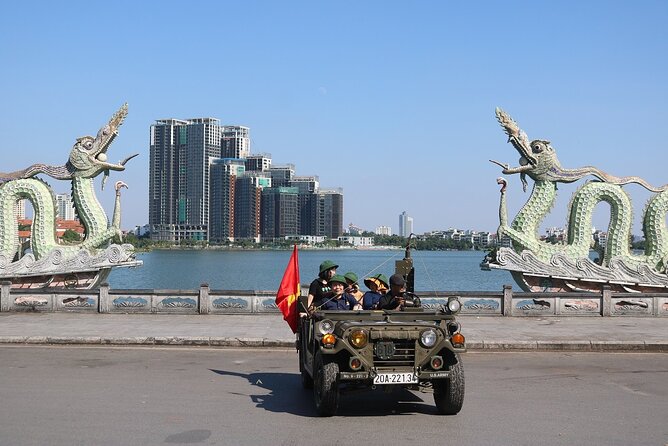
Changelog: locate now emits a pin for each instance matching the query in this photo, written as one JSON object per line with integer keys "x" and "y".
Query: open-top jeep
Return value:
{"x": 411, "y": 347}
{"x": 415, "y": 348}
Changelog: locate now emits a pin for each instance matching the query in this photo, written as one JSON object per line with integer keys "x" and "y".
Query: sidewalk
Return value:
{"x": 482, "y": 333}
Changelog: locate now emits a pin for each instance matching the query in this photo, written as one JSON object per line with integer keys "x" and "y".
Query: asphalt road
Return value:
{"x": 155, "y": 396}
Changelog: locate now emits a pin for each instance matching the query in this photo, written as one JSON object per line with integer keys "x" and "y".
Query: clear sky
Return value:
{"x": 392, "y": 101}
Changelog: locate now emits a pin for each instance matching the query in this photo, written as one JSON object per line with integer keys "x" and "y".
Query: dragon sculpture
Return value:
{"x": 50, "y": 263}
{"x": 539, "y": 265}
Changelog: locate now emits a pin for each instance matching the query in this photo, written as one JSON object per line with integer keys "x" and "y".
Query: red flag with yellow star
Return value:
{"x": 289, "y": 291}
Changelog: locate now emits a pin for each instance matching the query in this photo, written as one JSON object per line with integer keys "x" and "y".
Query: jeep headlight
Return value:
{"x": 326, "y": 326}
{"x": 454, "y": 305}
{"x": 428, "y": 338}
{"x": 358, "y": 338}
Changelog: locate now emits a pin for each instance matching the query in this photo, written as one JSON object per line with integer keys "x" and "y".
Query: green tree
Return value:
{"x": 70, "y": 237}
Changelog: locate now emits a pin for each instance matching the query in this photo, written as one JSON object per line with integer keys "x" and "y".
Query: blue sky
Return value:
{"x": 392, "y": 101}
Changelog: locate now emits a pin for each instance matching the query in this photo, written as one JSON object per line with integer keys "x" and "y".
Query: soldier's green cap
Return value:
{"x": 351, "y": 276}
{"x": 380, "y": 277}
{"x": 338, "y": 278}
{"x": 327, "y": 264}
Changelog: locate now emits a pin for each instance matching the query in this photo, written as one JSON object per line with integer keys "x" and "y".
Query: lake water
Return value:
{"x": 263, "y": 270}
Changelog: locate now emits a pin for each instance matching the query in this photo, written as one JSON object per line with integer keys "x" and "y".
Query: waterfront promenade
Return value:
{"x": 487, "y": 333}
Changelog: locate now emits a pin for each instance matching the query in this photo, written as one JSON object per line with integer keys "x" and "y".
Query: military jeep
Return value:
{"x": 415, "y": 348}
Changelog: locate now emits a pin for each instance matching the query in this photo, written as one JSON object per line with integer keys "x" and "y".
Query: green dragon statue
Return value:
{"x": 49, "y": 258}
{"x": 532, "y": 257}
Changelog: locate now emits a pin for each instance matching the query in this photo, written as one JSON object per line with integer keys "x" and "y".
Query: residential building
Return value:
{"x": 20, "y": 210}
{"x": 61, "y": 226}
{"x": 555, "y": 234}
{"x": 281, "y": 176}
{"x": 248, "y": 205}
{"x": 405, "y": 224}
{"x": 354, "y": 229}
{"x": 64, "y": 207}
{"x": 235, "y": 142}
{"x": 356, "y": 241}
{"x": 224, "y": 175}
{"x": 601, "y": 237}
{"x": 307, "y": 187}
{"x": 329, "y": 218}
{"x": 141, "y": 231}
{"x": 307, "y": 239}
{"x": 260, "y": 162}
{"x": 279, "y": 212}
{"x": 383, "y": 230}
{"x": 181, "y": 152}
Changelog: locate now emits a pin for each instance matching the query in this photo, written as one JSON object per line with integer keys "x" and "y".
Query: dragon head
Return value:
{"x": 537, "y": 157}
{"x": 88, "y": 157}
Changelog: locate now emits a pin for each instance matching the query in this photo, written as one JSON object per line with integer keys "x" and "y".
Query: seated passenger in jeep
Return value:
{"x": 395, "y": 299}
{"x": 340, "y": 300}
{"x": 353, "y": 288}
{"x": 377, "y": 288}
{"x": 320, "y": 289}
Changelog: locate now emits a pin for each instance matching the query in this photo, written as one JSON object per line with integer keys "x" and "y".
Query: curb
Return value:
{"x": 486, "y": 346}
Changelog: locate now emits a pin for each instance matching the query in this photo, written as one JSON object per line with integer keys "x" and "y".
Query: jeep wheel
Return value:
{"x": 325, "y": 386}
{"x": 449, "y": 393}
{"x": 307, "y": 381}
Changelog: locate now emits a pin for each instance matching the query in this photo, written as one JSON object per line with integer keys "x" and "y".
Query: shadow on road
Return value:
{"x": 286, "y": 395}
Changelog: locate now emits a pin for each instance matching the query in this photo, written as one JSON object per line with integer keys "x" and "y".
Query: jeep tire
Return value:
{"x": 307, "y": 380}
{"x": 325, "y": 386}
{"x": 449, "y": 393}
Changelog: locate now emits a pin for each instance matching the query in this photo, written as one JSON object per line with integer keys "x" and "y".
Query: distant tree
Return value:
{"x": 638, "y": 244}
{"x": 70, "y": 236}
{"x": 389, "y": 240}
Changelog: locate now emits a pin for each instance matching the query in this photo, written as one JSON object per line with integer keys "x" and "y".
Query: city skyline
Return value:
{"x": 395, "y": 105}
{"x": 204, "y": 185}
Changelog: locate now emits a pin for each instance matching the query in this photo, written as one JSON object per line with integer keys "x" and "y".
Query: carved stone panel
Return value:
{"x": 230, "y": 304}
{"x": 175, "y": 304}
{"x": 662, "y": 306}
{"x": 478, "y": 305}
{"x": 432, "y": 303}
{"x": 533, "y": 306}
{"x": 580, "y": 307}
{"x": 32, "y": 302}
{"x": 130, "y": 304}
{"x": 77, "y": 303}
{"x": 631, "y": 306}
{"x": 266, "y": 305}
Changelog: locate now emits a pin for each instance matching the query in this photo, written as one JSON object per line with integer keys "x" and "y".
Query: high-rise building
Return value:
{"x": 64, "y": 207}
{"x": 20, "y": 210}
{"x": 224, "y": 174}
{"x": 281, "y": 176}
{"x": 280, "y": 216}
{"x": 260, "y": 162}
{"x": 248, "y": 205}
{"x": 181, "y": 152}
{"x": 330, "y": 213}
{"x": 308, "y": 187}
{"x": 405, "y": 224}
{"x": 235, "y": 142}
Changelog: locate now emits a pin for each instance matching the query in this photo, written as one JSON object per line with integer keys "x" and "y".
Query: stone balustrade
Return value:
{"x": 207, "y": 301}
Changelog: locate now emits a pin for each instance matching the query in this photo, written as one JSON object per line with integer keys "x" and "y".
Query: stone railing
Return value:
{"x": 207, "y": 301}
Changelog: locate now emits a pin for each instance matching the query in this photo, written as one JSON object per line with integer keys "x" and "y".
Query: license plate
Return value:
{"x": 395, "y": 378}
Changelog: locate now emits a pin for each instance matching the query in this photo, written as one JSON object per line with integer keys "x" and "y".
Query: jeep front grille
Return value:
{"x": 404, "y": 355}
